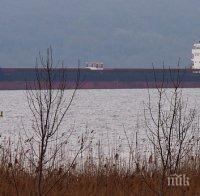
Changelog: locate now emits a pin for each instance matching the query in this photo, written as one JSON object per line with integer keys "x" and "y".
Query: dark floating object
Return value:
{"x": 95, "y": 76}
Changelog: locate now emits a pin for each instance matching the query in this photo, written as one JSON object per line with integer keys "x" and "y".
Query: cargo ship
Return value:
{"x": 95, "y": 76}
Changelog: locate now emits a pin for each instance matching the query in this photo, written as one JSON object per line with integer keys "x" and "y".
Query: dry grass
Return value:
{"x": 93, "y": 180}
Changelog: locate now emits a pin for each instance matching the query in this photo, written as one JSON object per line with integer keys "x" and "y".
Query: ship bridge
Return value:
{"x": 94, "y": 65}
{"x": 196, "y": 56}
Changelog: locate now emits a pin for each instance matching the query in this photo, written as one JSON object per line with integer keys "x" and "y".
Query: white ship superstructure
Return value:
{"x": 196, "y": 56}
{"x": 94, "y": 65}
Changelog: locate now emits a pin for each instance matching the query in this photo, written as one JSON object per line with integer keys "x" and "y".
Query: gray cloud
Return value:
{"x": 128, "y": 33}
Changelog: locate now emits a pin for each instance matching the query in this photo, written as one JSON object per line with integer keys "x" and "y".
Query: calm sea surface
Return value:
{"x": 105, "y": 113}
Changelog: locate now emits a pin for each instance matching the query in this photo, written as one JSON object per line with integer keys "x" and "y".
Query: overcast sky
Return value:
{"x": 121, "y": 33}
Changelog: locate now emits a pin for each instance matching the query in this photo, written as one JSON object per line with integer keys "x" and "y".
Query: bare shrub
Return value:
{"x": 170, "y": 127}
{"x": 48, "y": 102}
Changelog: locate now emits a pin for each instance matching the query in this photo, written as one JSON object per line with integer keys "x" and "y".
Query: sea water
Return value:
{"x": 111, "y": 117}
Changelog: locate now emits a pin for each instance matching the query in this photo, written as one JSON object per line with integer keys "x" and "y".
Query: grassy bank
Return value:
{"x": 105, "y": 177}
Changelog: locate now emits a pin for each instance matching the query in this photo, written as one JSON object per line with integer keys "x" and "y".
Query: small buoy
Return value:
{"x": 1, "y": 114}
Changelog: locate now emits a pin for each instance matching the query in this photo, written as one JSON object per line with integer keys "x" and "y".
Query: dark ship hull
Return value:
{"x": 18, "y": 78}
